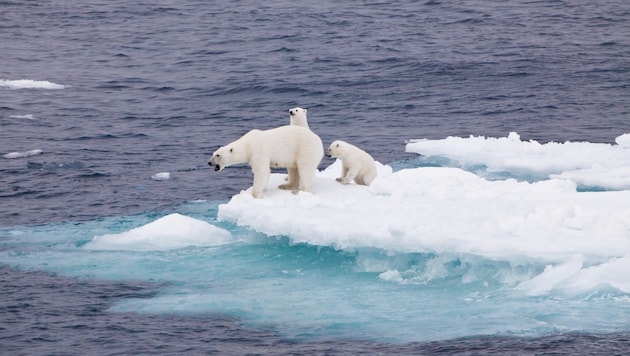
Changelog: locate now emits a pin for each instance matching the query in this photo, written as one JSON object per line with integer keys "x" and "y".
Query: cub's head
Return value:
{"x": 334, "y": 150}
{"x": 222, "y": 158}
{"x": 297, "y": 112}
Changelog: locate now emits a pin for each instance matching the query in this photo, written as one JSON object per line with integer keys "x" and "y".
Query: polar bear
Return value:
{"x": 357, "y": 164}
{"x": 297, "y": 116}
{"x": 292, "y": 147}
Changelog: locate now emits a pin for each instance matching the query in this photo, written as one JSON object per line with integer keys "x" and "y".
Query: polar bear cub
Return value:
{"x": 297, "y": 116}
{"x": 357, "y": 164}
{"x": 292, "y": 147}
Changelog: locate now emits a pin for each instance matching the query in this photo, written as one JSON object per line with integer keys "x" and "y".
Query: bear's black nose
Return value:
{"x": 210, "y": 163}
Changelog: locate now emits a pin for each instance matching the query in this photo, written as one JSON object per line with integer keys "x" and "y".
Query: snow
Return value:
{"x": 443, "y": 210}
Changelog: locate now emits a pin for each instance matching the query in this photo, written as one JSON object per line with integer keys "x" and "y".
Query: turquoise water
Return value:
{"x": 311, "y": 292}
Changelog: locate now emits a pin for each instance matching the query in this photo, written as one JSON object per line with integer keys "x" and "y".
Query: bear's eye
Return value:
{"x": 231, "y": 150}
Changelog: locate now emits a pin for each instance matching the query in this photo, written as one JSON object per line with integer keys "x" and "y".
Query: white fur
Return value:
{"x": 357, "y": 164}
{"x": 297, "y": 116}
{"x": 292, "y": 147}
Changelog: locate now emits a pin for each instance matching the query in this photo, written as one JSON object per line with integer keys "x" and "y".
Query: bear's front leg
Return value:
{"x": 344, "y": 171}
{"x": 261, "y": 178}
{"x": 349, "y": 176}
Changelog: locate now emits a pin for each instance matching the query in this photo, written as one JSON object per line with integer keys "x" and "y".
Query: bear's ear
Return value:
{"x": 305, "y": 111}
{"x": 337, "y": 145}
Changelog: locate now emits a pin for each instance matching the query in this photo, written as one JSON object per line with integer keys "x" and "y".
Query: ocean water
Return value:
{"x": 499, "y": 222}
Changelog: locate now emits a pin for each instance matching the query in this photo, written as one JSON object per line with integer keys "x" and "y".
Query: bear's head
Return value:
{"x": 222, "y": 158}
{"x": 297, "y": 116}
{"x": 334, "y": 150}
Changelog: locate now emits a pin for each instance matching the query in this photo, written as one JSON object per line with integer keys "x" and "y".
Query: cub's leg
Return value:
{"x": 344, "y": 171}
{"x": 348, "y": 177}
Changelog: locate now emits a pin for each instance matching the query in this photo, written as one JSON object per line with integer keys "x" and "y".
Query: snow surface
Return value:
{"x": 170, "y": 232}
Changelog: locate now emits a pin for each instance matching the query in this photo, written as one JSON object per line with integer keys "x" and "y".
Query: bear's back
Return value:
{"x": 294, "y": 134}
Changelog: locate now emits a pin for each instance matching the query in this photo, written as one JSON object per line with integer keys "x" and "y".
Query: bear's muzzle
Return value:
{"x": 216, "y": 166}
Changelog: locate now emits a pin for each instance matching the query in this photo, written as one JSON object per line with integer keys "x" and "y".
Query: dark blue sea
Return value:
{"x": 110, "y": 110}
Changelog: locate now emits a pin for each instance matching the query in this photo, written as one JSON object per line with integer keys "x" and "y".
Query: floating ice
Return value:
{"x": 424, "y": 253}
{"x": 444, "y": 210}
{"x": 13, "y": 155}
{"x": 623, "y": 140}
{"x": 590, "y": 164}
{"x": 27, "y": 117}
{"x": 30, "y": 84}
{"x": 170, "y": 232}
{"x": 161, "y": 176}
{"x": 450, "y": 211}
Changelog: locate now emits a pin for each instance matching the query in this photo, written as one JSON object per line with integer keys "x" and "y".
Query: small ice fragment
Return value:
{"x": 161, "y": 176}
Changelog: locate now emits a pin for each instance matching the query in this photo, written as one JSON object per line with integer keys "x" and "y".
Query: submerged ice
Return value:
{"x": 425, "y": 252}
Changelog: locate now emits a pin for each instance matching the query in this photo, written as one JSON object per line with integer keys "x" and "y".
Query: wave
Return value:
{"x": 30, "y": 84}
{"x": 55, "y": 165}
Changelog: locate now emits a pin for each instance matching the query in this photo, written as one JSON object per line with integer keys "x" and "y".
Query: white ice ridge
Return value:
{"x": 590, "y": 164}
{"x": 13, "y": 155}
{"x": 170, "y": 232}
{"x": 444, "y": 210}
{"x": 30, "y": 84}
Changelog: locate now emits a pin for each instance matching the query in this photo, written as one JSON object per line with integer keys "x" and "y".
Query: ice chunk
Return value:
{"x": 170, "y": 232}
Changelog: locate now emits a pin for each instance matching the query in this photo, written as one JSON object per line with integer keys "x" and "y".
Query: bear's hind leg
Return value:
{"x": 293, "y": 180}
{"x": 306, "y": 177}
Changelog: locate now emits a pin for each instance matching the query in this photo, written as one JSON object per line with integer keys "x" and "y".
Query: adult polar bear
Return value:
{"x": 295, "y": 148}
{"x": 357, "y": 164}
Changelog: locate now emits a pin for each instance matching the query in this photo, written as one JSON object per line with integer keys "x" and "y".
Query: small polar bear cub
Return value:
{"x": 357, "y": 164}
{"x": 297, "y": 116}
{"x": 292, "y": 147}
